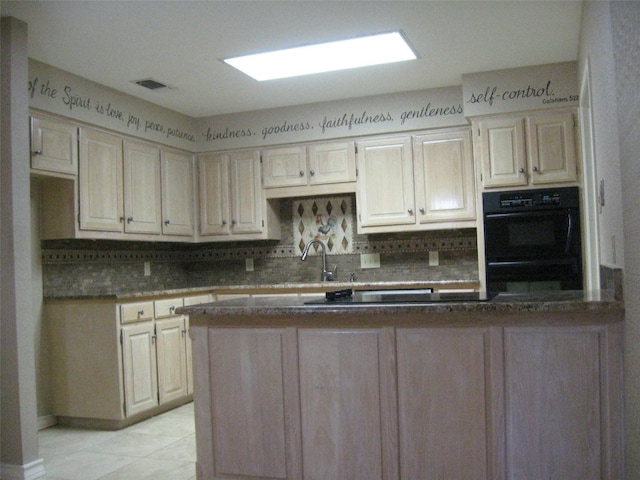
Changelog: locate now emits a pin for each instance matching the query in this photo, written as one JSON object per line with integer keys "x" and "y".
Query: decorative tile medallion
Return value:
{"x": 329, "y": 220}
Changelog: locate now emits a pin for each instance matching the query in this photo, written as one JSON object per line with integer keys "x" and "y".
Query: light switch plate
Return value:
{"x": 248, "y": 263}
{"x": 369, "y": 260}
{"x": 434, "y": 258}
{"x": 147, "y": 269}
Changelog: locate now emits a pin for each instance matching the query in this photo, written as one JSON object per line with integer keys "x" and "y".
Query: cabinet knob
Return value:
{"x": 122, "y": 219}
{"x": 140, "y": 313}
{"x": 233, "y": 222}
{"x": 224, "y": 222}
{"x": 410, "y": 211}
{"x": 129, "y": 219}
{"x": 521, "y": 170}
{"x": 172, "y": 309}
{"x": 535, "y": 169}
{"x": 312, "y": 172}
{"x": 167, "y": 222}
{"x": 301, "y": 173}
{"x": 422, "y": 210}
{"x": 38, "y": 152}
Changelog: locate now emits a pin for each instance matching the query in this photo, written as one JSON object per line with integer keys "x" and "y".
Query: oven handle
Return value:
{"x": 531, "y": 213}
{"x": 570, "y": 232}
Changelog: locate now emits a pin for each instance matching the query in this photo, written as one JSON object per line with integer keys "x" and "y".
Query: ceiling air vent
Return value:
{"x": 150, "y": 84}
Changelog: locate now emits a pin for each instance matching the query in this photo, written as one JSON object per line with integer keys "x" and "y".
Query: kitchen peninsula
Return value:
{"x": 520, "y": 386}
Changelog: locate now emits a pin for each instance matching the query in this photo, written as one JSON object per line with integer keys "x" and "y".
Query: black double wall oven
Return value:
{"x": 533, "y": 240}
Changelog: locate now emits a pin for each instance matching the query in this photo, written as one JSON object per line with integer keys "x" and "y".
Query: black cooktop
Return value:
{"x": 343, "y": 297}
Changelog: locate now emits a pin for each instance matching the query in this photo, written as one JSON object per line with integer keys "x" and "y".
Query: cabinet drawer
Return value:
{"x": 167, "y": 307}
{"x": 196, "y": 300}
{"x": 136, "y": 312}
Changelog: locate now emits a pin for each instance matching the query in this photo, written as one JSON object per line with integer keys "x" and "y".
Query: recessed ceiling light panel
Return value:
{"x": 325, "y": 57}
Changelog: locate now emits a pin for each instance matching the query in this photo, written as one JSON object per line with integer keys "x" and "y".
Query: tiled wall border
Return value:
{"x": 50, "y": 257}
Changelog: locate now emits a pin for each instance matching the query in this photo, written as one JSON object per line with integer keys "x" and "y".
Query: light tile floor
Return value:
{"x": 160, "y": 448}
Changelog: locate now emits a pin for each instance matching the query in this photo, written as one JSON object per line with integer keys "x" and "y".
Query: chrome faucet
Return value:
{"x": 327, "y": 275}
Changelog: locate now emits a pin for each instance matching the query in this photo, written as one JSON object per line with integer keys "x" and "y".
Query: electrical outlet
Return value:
{"x": 434, "y": 258}
{"x": 147, "y": 269}
{"x": 248, "y": 264}
{"x": 369, "y": 260}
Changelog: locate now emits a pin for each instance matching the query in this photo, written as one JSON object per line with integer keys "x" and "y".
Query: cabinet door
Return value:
{"x": 142, "y": 207}
{"x": 140, "y": 367}
{"x": 551, "y": 148}
{"x": 284, "y": 167}
{"x": 385, "y": 182}
{"x": 100, "y": 182}
{"x": 347, "y": 404}
{"x": 332, "y": 163}
{"x": 213, "y": 172}
{"x": 443, "y": 166}
{"x": 172, "y": 358}
{"x": 248, "y": 403}
{"x": 442, "y": 400}
{"x": 246, "y": 192}
{"x": 553, "y": 423}
{"x": 54, "y": 146}
{"x": 502, "y": 152}
{"x": 177, "y": 193}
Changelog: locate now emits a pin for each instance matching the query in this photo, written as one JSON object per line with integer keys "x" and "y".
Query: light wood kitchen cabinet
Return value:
{"x": 526, "y": 150}
{"x": 444, "y": 179}
{"x": 251, "y": 435}
{"x": 419, "y": 183}
{"x": 320, "y": 168}
{"x": 444, "y": 402}
{"x": 177, "y": 193}
{"x": 116, "y": 363}
{"x": 54, "y": 146}
{"x": 385, "y": 182}
{"x": 557, "y": 400}
{"x": 140, "y": 369}
{"x": 142, "y": 198}
{"x": 347, "y": 404}
{"x": 100, "y": 182}
{"x": 232, "y": 206}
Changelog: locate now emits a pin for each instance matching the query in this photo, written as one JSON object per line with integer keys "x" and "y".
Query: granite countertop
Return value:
{"x": 551, "y": 301}
{"x": 274, "y": 289}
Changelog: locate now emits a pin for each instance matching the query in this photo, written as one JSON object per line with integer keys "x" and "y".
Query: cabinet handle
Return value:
{"x": 172, "y": 309}
{"x": 129, "y": 219}
{"x": 167, "y": 222}
{"x": 184, "y": 331}
{"x": 312, "y": 172}
{"x": 38, "y": 152}
{"x": 301, "y": 173}
{"x": 122, "y": 219}
{"x": 422, "y": 210}
{"x": 140, "y": 313}
{"x": 410, "y": 211}
{"x": 154, "y": 337}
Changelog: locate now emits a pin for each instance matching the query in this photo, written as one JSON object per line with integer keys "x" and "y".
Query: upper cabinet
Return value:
{"x": 316, "y": 169}
{"x": 125, "y": 189}
{"x": 416, "y": 183}
{"x": 522, "y": 150}
{"x": 54, "y": 146}
{"x": 232, "y": 206}
{"x": 176, "y": 171}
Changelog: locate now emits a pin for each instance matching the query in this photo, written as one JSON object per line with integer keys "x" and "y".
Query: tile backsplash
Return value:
{"x": 82, "y": 267}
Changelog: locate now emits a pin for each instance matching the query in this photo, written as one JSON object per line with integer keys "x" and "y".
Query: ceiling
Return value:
{"x": 180, "y": 43}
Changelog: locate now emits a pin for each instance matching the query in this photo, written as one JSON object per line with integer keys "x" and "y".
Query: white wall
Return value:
{"x": 610, "y": 41}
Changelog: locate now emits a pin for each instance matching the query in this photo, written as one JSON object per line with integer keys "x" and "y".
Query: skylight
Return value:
{"x": 325, "y": 57}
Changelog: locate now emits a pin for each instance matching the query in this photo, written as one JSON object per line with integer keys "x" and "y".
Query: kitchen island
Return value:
{"x": 518, "y": 387}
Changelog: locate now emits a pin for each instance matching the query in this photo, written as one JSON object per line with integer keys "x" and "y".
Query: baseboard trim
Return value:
{"x": 47, "y": 421}
{"x": 30, "y": 471}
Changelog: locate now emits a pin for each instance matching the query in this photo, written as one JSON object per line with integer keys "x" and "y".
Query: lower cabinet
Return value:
{"x": 410, "y": 403}
{"x": 116, "y": 363}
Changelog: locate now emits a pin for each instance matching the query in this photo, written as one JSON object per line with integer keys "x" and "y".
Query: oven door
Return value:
{"x": 538, "y": 246}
